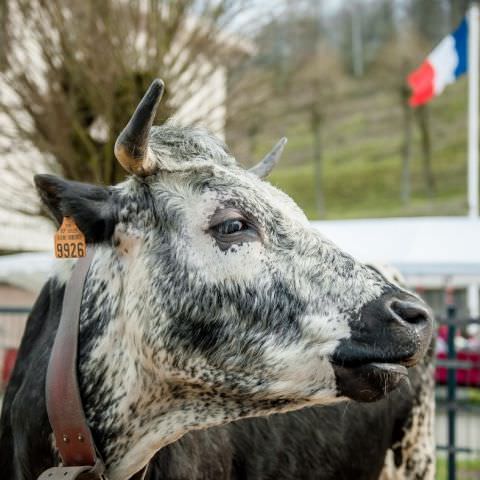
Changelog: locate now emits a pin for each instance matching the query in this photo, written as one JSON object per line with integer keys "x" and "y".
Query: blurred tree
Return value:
{"x": 430, "y": 18}
{"x": 423, "y": 120}
{"x": 315, "y": 85}
{"x": 396, "y": 60}
{"x": 74, "y": 72}
{"x": 361, "y": 29}
{"x": 457, "y": 9}
{"x": 406, "y": 190}
{"x": 284, "y": 45}
{"x": 290, "y": 37}
{"x": 300, "y": 73}
{"x": 3, "y": 23}
{"x": 251, "y": 105}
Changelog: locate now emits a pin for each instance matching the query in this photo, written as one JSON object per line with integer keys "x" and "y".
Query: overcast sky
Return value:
{"x": 249, "y": 21}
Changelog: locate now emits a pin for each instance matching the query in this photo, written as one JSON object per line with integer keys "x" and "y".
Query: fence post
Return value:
{"x": 451, "y": 384}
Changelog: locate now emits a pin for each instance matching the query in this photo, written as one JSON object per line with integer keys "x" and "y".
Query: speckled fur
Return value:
{"x": 413, "y": 455}
{"x": 178, "y": 334}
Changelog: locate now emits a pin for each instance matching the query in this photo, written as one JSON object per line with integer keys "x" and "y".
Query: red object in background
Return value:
{"x": 421, "y": 84}
{"x": 8, "y": 363}
{"x": 467, "y": 377}
{"x": 442, "y": 333}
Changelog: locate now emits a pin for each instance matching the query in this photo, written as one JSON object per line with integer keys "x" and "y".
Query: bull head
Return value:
{"x": 211, "y": 298}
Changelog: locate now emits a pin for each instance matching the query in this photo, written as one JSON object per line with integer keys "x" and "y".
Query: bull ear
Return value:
{"x": 91, "y": 206}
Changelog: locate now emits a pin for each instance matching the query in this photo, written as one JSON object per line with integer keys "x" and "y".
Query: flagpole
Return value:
{"x": 473, "y": 39}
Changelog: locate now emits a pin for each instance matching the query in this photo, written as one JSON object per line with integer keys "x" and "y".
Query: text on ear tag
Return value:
{"x": 69, "y": 240}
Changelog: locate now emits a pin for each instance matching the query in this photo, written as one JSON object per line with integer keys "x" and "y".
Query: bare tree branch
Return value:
{"x": 75, "y": 71}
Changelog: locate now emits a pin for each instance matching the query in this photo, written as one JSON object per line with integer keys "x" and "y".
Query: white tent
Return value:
{"x": 422, "y": 245}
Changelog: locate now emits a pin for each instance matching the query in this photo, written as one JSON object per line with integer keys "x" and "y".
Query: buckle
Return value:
{"x": 84, "y": 472}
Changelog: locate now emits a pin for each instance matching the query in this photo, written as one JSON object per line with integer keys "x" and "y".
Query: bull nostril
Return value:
{"x": 410, "y": 312}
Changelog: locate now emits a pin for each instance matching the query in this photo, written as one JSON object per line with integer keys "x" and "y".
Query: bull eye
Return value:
{"x": 229, "y": 227}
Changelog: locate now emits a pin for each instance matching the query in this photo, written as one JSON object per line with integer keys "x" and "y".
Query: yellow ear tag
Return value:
{"x": 69, "y": 240}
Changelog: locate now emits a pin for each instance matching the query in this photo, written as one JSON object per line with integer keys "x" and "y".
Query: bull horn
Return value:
{"x": 263, "y": 169}
{"x": 131, "y": 147}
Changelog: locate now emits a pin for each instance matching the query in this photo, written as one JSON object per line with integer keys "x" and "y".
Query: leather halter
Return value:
{"x": 73, "y": 437}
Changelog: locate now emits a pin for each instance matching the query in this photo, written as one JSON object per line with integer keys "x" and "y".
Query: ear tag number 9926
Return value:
{"x": 69, "y": 240}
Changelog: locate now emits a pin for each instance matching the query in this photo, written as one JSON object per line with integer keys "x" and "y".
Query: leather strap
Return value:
{"x": 73, "y": 437}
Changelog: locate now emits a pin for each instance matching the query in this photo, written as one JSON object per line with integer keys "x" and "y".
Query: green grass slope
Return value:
{"x": 362, "y": 158}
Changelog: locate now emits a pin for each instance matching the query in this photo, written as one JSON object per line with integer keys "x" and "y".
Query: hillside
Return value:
{"x": 362, "y": 144}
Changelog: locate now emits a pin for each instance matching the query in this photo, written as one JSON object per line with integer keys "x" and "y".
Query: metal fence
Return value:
{"x": 457, "y": 392}
{"x": 458, "y": 396}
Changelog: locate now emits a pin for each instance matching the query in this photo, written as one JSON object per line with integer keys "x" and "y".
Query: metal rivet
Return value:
{"x": 80, "y": 437}
{"x": 65, "y": 439}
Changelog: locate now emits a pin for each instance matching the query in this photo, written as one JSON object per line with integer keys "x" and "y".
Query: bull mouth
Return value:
{"x": 369, "y": 382}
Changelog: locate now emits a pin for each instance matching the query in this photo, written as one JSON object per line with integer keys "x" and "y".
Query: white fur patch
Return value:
{"x": 239, "y": 262}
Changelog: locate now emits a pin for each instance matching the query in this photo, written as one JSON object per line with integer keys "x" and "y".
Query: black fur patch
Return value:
{"x": 92, "y": 207}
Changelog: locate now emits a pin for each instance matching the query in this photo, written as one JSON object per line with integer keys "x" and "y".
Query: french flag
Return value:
{"x": 443, "y": 66}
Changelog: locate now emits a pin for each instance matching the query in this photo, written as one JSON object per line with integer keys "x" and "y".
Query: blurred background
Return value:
{"x": 387, "y": 182}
